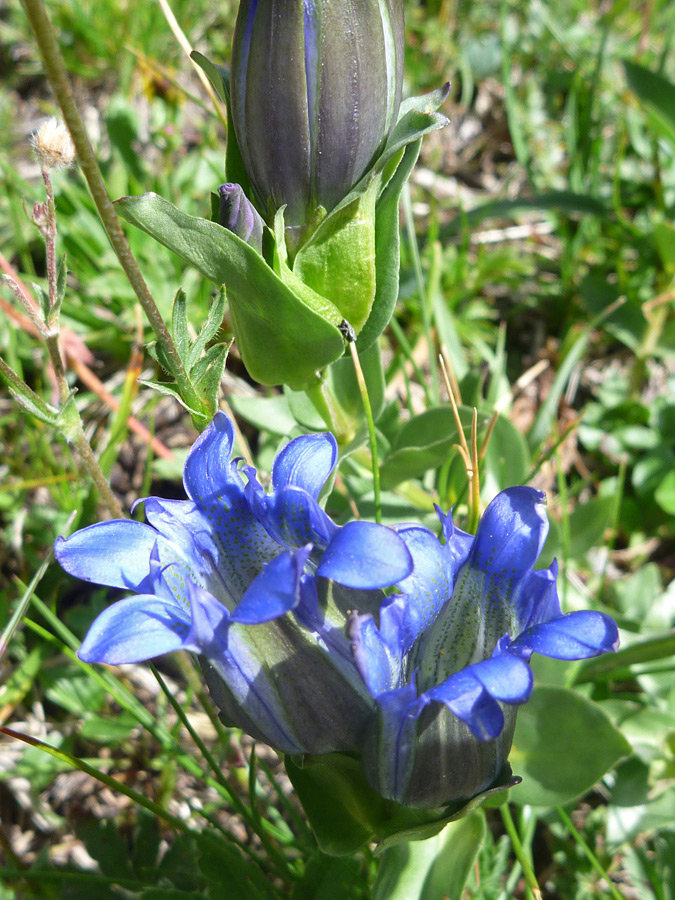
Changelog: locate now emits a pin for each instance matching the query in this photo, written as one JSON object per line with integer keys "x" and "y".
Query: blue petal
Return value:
{"x": 577, "y": 635}
{"x": 429, "y": 585}
{"x": 390, "y": 751}
{"x": 208, "y": 468}
{"x": 305, "y": 462}
{"x": 537, "y": 598}
{"x": 135, "y": 629}
{"x": 458, "y": 542}
{"x": 511, "y": 532}
{"x": 376, "y": 664}
{"x": 115, "y": 553}
{"x": 294, "y": 518}
{"x": 231, "y": 539}
{"x": 364, "y": 555}
{"x": 275, "y": 591}
{"x": 472, "y": 694}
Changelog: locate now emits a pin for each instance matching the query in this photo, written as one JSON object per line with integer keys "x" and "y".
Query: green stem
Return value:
{"x": 590, "y": 856}
{"x": 59, "y": 81}
{"x": 367, "y": 408}
{"x": 519, "y": 850}
{"x": 86, "y": 455}
{"x": 325, "y": 403}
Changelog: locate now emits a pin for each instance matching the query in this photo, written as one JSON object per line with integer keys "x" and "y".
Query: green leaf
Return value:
{"x": 30, "y": 401}
{"x": 613, "y": 665}
{"x": 387, "y": 249}
{"x": 20, "y": 681}
{"x": 664, "y": 238}
{"x": 327, "y": 878}
{"x": 169, "y": 390}
{"x": 587, "y": 523}
{"x": 625, "y": 823}
{"x": 432, "y": 869}
{"x": 342, "y": 379}
{"x": 227, "y": 873}
{"x": 271, "y": 414}
{"x": 79, "y": 694}
{"x": 106, "y": 729}
{"x": 665, "y": 494}
{"x": 345, "y": 812}
{"x": 423, "y": 443}
{"x": 43, "y": 299}
{"x": 563, "y": 744}
{"x": 657, "y": 94}
{"x": 104, "y": 844}
{"x": 342, "y": 808}
{"x": 179, "y": 325}
{"x": 338, "y": 261}
{"x": 283, "y": 338}
{"x": 61, "y": 278}
{"x": 566, "y": 202}
{"x": 507, "y": 459}
{"x": 210, "y": 328}
{"x": 208, "y": 374}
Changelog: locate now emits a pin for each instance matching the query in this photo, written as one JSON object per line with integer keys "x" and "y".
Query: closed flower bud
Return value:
{"x": 237, "y": 214}
{"x": 316, "y": 87}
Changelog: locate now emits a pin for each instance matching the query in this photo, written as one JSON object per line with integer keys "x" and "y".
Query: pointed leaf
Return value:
{"x": 387, "y": 249}
{"x": 656, "y": 93}
{"x": 61, "y": 277}
{"x": 210, "y": 328}
{"x": 179, "y": 324}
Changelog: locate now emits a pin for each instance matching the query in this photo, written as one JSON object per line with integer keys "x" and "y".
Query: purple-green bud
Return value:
{"x": 239, "y": 215}
{"x": 315, "y": 91}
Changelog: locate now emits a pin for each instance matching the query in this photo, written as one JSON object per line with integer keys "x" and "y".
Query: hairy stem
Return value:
{"x": 58, "y": 79}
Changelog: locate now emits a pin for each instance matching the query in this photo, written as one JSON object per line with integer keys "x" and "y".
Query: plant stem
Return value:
{"x": 519, "y": 850}
{"x": 590, "y": 856}
{"x": 325, "y": 403}
{"x": 86, "y": 454}
{"x": 368, "y": 410}
{"x": 59, "y": 81}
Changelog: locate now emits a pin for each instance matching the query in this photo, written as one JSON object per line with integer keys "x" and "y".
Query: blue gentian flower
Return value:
{"x": 447, "y": 660}
{"x": 241, "y": 577}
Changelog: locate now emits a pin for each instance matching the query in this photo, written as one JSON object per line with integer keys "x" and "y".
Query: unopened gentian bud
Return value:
{"x": 316, "y": 88}
{"x": 237, "y": 214}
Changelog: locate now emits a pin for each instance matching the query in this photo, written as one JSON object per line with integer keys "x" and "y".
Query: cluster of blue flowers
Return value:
{"x": 409, "y": 651}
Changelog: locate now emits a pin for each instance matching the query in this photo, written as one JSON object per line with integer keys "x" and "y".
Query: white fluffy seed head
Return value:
{"x": 53, "y": 145}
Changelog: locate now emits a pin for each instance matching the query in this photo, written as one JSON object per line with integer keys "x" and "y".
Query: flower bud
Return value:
{"x": 316, "y": 87}
{"x": 237, "y": 214}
